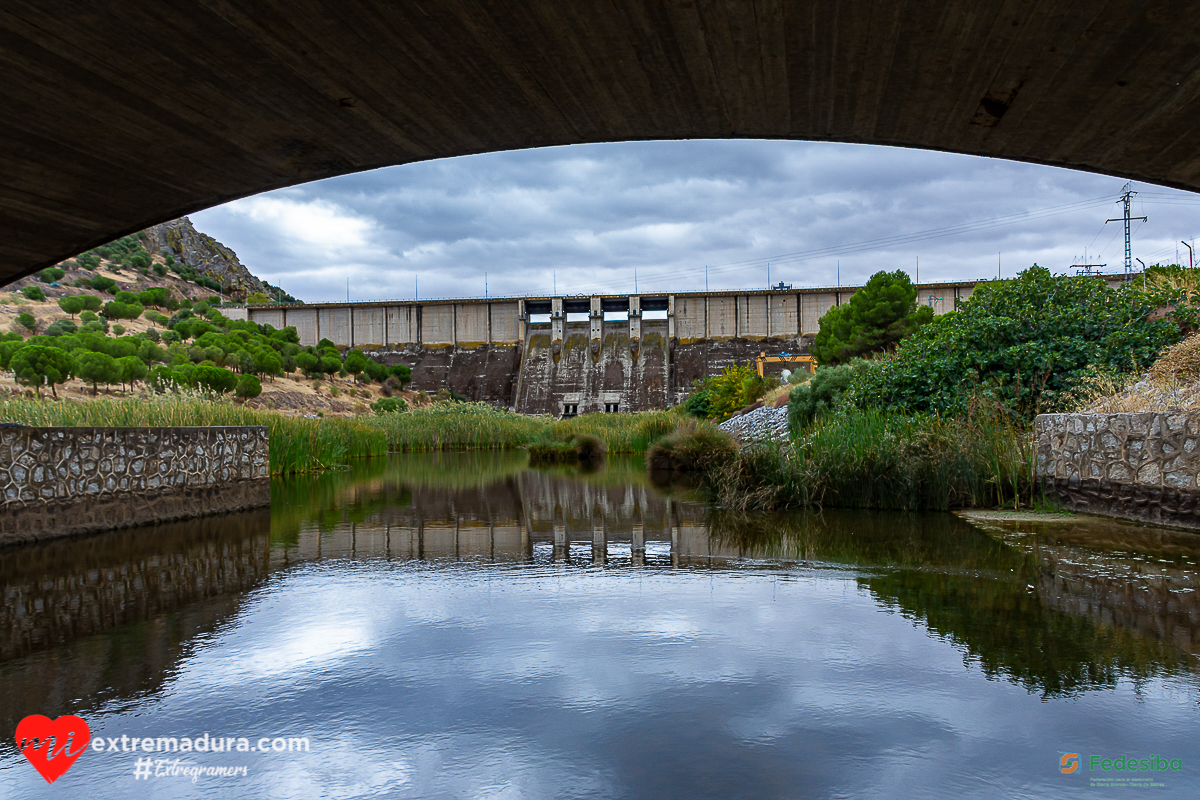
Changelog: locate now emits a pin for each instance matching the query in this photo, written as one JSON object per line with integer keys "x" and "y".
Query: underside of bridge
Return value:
{"x": 117, "y": 116}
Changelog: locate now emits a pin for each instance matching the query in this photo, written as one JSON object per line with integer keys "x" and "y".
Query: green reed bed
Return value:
{"x": 885, "y": 460}
{"x": 620, "y": 433}
{"x": 297, "y": 444}
{"x": 457, "y": 426}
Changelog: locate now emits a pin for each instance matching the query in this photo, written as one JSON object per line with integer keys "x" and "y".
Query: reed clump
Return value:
{"x": 884, "y": 460}
{"x": 457, "y": 426}
{"x": 694, "y": 446}
{"x": 581, "y": 447}
{"x": 297, "y": 444}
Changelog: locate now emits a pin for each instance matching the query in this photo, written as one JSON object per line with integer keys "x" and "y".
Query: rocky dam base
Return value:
{"x": 68, "y": 481}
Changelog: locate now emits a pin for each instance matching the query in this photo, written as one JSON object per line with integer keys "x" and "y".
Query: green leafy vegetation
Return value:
{"x": 720, "y": 396}
{"x": 886, "y": 460}
{"x": 1024, "y": 344}
{"x": 875, "y": 319}
{"x": 34, "y": 293}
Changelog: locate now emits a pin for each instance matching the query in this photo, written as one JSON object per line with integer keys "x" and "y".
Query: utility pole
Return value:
{"x": 1086, "y": 269}
{"x": 768, "y": 274}
{"x": 839, "y": 273}
{"x": 997, "y": 266}
{"x": 1143, "y": 263}
{"x": 1191, "y": 254}
{"x": 918, "y": 270}
{"x": 706, "y": 277}
{"x": 485, "y": 286}
{"x": 1126, "y": 195}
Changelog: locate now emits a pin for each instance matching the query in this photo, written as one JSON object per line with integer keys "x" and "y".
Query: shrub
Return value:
{"x": 87, "y": 316}
{"x": 103, "y": 284}
{"x": 34, "y": 293}
{"x": 695, "y": 445}
{"x": 389, "y": 405}
{"x": 1025, "y": 344}
{"x": 91, "y": 302}
{"x": 60, "y": 327}
{"x": 248, "y": 387}
{"x": 119, "y": 310}
{"x": 27, "y": 320}
{"x": 735, "y": 388}
{"x": 118, "y": 330}
{"x": 697, "y": 405}
{"x": 51, "y": 274}
{"x": 821, "y": 393}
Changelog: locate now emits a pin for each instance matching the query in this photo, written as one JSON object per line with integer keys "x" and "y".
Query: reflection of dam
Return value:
{"x": 517, "y": 519}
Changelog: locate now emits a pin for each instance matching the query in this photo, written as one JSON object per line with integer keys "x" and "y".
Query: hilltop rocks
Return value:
{"x": 202, "y": 253}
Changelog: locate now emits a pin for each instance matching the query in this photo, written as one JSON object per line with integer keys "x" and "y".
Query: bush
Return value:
{"x": 118, "y": 330}
{"x": 694, "y": 446}
{"x": 51, "y": 274}
{"x": 87, "y": 316}
{"x": 821, "y": 393}
{"x": 60, "y": 327}
{"x": 735, "y": 388}
{"x": 389, "y": 405}
{"x": 697, "y": 405}
{"x": 34, "y": 293}
{"x": 1024, "y": 344}
{"x": 159, "y": 270}
{"x": 120, "y": 310}
{"x": 27, "y": 320}
{"x": 103, "y": 284}
{"x": 248, "y": 387}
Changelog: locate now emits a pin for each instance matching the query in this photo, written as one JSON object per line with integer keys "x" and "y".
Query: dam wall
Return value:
{"x": 578, "y": 354}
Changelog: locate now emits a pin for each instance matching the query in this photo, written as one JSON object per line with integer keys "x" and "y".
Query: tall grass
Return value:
{"x": 297, "y": 444}
{"x": 621, "y": 433}
{"x": 457, "y": 426}
{"x": 885, "y": 460}
{"x": 477, "y": 426}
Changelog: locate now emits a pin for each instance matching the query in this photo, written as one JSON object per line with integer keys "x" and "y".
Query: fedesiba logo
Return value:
{"x": 1069, "y": 763}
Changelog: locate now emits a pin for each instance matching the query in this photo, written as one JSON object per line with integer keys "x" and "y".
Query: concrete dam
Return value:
{"x": 578, "y": 354}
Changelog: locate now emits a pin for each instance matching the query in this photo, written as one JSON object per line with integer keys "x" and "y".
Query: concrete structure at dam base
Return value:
{"x": 578, "y": 354}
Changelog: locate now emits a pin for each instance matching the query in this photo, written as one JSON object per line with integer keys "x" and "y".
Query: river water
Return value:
{"x": 459, "y": 625}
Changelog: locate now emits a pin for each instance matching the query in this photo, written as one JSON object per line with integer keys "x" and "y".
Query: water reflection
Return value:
{"x": 369, "y": 577}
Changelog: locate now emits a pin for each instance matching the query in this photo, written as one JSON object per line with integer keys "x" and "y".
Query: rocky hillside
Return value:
{"x": 205, "y": 255}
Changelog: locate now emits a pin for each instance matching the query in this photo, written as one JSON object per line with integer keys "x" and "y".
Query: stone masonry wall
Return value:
{"x": 64, "y": 481}
{"x": 1141, "y": 466}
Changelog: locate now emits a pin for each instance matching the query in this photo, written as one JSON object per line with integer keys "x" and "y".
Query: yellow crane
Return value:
{"x": 809, "y": 362}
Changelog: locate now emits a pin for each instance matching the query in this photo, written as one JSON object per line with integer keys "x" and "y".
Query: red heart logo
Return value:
{"x": 34, "y": 734}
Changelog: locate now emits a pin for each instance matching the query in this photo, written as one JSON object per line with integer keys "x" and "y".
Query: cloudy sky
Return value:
{"x": 595, "y": 218}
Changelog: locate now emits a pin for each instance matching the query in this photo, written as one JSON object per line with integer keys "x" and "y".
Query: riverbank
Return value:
{"x": 301, "y": 444}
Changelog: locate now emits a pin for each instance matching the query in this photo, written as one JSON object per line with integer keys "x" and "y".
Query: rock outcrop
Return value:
{"x": 204, "y": 254}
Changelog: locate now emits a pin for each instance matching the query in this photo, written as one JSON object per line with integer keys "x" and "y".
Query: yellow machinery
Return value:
{"x": 809, "y": 363}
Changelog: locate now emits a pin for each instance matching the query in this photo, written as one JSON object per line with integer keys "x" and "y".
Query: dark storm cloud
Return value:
{"x": 585, "y": 217}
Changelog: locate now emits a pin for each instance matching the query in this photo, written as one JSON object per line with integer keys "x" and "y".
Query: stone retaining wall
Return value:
{"x": 64, "y": 481}
{"x": 1141, "y": 466}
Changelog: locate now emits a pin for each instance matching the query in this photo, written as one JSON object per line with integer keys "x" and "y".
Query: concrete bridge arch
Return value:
{"x": 117, "y": 116}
